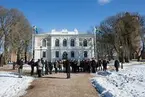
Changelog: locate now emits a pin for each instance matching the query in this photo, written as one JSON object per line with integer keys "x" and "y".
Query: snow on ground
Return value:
{"x": 12, "y": 86}
{"x": 111, "y": 63}
{"x": 129, "y": 82}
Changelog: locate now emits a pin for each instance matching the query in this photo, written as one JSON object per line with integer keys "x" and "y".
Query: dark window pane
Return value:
{"x": 57, "y": 42}
{"x": 44, "y": 54}
{"x": 85, "y": 54}
{"x": 57, "y": 54}
{"x": 72, "y": 42}
{"x": 85, "y": 42}
{"x": 64, "y": 42}
{"x": 65, "y": 55}
{"x": 72, "y": 54}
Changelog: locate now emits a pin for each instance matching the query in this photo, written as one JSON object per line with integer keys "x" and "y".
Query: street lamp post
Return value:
{"x": 95, "y": 44}
{"x": 33, "y": 44}
{"x": 33, "y": 40}
{"x": 40, "y": 52}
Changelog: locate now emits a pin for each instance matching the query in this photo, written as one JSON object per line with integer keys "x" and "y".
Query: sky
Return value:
{"x": 70, "y": 14}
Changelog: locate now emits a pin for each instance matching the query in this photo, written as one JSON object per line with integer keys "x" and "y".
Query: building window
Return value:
{"x": 57, "y": 54}
{"x": 85, "y": 42}
{"x": 44, "y": 43}
{"x": 64, "y": 55}
{"x": 44, "y": 54}
{"x": 85, "y": 54}
{"x": 72, "y": 54}
{"x": 64, "y": 42}
{"x": 72, "y": 43}
{"x": 57, "y": 42}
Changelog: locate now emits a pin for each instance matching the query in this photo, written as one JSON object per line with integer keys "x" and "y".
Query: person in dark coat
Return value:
{"x": 85, "y": 65}
{"x": 100, "y": 64}
{"x": 89, "y": 66}
{"x": 50, "y": 67}
{"x": 39, "y": 68}
{"x": 81, "y": 65}
{"x": 32, "y": 63}
{"x": 75, "y": 63}
{"x": 46, "y": 67}
{"x": 14, "y": 65}
{"x": 56, "y": 66}
{"x": 104, "y": 65}
{"x": 93, "y": 65}
{"x": 20, "y": 64}
{"x": 67, "y": 64}
{"x": 116, "y": 65}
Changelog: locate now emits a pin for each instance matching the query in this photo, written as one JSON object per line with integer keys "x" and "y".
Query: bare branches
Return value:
{"x": 124, "y": 29}
{"x": 15, "y": 29}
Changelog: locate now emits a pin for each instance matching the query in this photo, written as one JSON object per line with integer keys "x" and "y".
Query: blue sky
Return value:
{"x": 70, "y": 14}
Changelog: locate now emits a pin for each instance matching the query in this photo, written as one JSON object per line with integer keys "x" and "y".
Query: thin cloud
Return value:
{"x": 102, "y": 2}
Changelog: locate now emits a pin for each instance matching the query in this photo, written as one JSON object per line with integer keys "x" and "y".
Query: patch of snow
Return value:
{"x": 111, "y": 63}
{"x": 12, "y": 86}
{"x": 129, "y": 82}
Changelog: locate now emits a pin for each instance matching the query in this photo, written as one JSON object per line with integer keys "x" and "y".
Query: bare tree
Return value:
{"x": 22, "y": 34}
{"x": 122, "y": 32}
{"x": 16, "y": 30}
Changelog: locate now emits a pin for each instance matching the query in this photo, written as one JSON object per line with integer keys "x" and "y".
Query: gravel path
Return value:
{"x": 56, "y": 85}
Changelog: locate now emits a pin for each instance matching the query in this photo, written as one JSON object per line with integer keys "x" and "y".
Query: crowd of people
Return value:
{"x": 69, "y": 66}
{"x": 44, "y": 67}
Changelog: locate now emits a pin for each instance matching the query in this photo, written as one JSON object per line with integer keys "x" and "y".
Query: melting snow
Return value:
{"x": 12, "y": 86}
{"x": 129, "y": 82}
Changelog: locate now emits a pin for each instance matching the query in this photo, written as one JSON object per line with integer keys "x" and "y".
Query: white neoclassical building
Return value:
{"x": 58, "y": 45}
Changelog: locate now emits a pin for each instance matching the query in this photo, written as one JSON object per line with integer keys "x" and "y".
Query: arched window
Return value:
{"x": 57, "y": 54}
{"x": 44, "y": 43}
{"x": 85, "y": 42}
{"x": 64, "y": 42}
{"x": 72, "y": 54}
{"x": 64, "y": 55}
{"x": 57, "y": 42}
{"x": 72, "y": 42}
{"x": 85, "y": 54}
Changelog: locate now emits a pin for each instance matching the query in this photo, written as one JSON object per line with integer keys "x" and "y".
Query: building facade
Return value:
{"x": 59, "y": 45}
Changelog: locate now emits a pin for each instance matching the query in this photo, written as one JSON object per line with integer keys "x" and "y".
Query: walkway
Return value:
{"x": 56, "y": 85}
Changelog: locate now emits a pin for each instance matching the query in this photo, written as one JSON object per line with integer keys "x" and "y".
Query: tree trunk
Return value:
{"x": 26, "y": 54}
{"x": 25, "y": 57}
{"x": 138, "y": 58}
{"x": 18, "y": 55}
{"x": 5, "y": 50}
{"x": 1, "y": 60}
{"x": 126, "y": 59}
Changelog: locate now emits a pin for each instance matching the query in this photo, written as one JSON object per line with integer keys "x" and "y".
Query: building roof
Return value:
{"x": 64, "y": 32}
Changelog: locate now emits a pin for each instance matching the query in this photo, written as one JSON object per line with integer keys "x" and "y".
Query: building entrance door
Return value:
{"x": 64, "y": 55}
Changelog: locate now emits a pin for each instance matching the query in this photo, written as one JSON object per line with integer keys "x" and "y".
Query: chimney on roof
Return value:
{"x": 53, "y": 30}
{"x": 75, "y": 30}
{"x": 64, "y": 30}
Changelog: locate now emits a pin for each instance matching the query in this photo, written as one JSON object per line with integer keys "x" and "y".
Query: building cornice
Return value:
{"x": 42, "y": 35}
